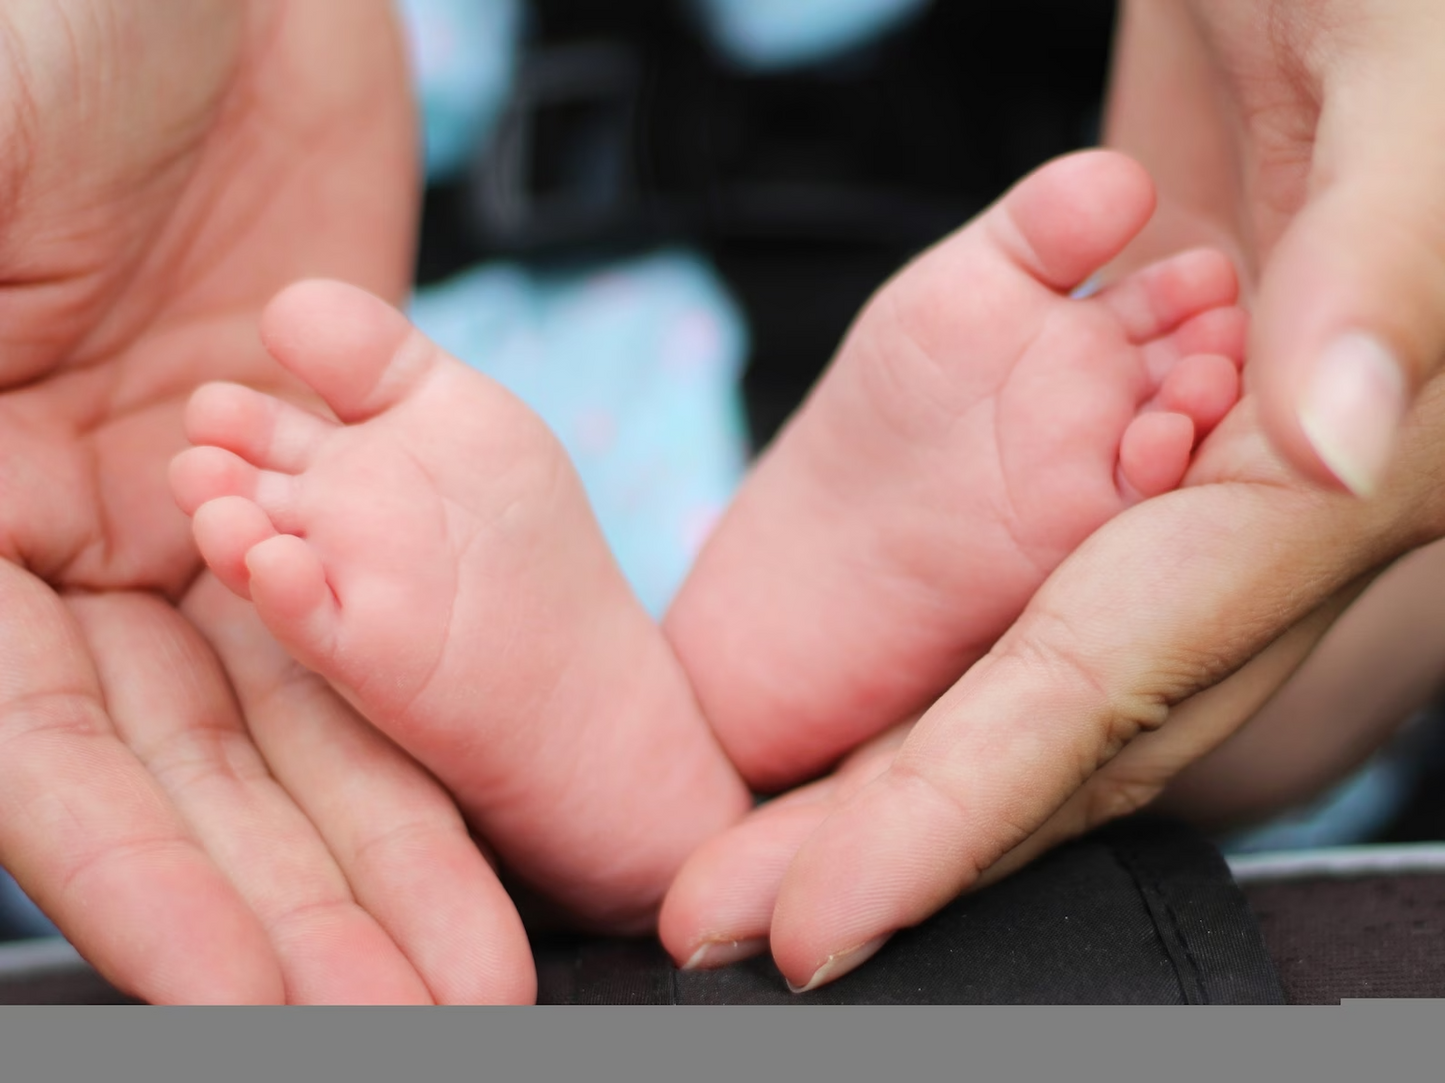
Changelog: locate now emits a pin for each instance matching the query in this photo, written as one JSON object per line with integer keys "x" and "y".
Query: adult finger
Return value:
{"x": 720, "y": 907}
{"x": 172, "y": 707}
{"x": 1197, "y": 726}
{"x": 394, "y": 832}
{"x": 92, "y": 837}
{"x": 1166, "y": 601}
{"x": 1350, "y": 316}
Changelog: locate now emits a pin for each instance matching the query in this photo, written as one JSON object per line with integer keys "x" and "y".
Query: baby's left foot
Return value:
{"x": 434, "y": 557}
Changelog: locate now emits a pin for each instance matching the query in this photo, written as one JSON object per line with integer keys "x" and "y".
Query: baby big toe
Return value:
{"x": 1066, "y": 220}
{"x": 353, "y": 349}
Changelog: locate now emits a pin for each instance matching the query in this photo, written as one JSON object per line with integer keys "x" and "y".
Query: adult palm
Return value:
{"x": 167, "y": 167}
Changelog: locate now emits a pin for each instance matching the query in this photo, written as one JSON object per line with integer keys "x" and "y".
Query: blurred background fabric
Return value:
{"x": 635, "y": 365}
{"x": 768, "y": 35}
{"x": 463, "y": 58}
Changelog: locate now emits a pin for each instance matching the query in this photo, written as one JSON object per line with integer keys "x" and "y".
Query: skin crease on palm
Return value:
{"x": 168, "y": 168}
{"x": 1275, "y": 130}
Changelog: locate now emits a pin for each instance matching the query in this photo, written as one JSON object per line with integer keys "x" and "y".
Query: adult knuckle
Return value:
{"x": 194, "y": 757}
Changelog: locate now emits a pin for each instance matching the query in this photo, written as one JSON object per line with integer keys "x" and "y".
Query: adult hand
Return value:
{"x": 167, "y": 167}
{"x": 1309, "y": 137}
{"x": 1149, "y": 647}
{"x": 1323, "y": 172}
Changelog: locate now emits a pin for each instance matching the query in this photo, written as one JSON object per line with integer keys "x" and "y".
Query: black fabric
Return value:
{"x": 1143, "y": 912}
{"x": 68, "y": 987}
{"x": 1366, "y": 937}
{"x": 65, "y": 984}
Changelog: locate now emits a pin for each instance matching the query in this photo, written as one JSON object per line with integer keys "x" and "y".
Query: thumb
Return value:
{"x": 1350, "y": 319}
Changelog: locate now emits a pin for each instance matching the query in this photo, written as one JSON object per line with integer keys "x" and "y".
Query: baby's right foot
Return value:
{"x": 978, "y": 424}
{"x": 434, "y": 557}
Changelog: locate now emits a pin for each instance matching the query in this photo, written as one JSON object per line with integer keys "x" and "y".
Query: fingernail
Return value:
{"x": 839, "y": 964}
{"x": 720, "y": 953}
{"x": 1353, "y": 403}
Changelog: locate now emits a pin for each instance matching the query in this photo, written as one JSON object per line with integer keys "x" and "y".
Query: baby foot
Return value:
{"x": 431, "y": 553}
{"x": 977, "y": 425}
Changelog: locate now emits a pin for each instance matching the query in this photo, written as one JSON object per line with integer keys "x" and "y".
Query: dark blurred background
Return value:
{"x": 807, "y": 188}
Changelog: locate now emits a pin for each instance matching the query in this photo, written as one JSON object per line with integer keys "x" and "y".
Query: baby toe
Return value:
{"x": 1162, "y": 297}
{"x": 202, "y": 474}
{"x": 226, "y": 529}
{"x": 1154, "y": 454}
{"x": 1203, "y": 388}
{"x": 295, "y": 601}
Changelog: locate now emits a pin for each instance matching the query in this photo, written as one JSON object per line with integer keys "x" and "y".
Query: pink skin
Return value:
{"x": 875, "y": 520}
{"x": 432, "y": 554}
{"x": 977, "y": 425}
